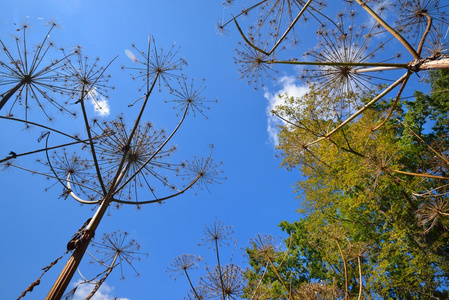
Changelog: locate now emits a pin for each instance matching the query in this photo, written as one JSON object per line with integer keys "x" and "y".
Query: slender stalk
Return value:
{"x": 260, "y": 281}
{"x": 390, "y": 29}
{"x": 159, "y": 199}
{"x": 374, "y": 69}
{"x": 346, "y": 270}
{"x": 91, "y": 143}
{"x": 245, "y": 11}
{"x": 39, "y": 125}
{"x": 43, "y": 149}
{"x": 419, "y": 174}
{"x": 398, "y": 96}
{"x": 219, "y": 269}
{"x": 365, "y": 107}
{"x": 347, "y": 64}
{"x": 280, "y": 278}
{"x": 191, "y": 285}
{"x": 424, "y": 36}
{"x": 290, "y": 26}
{"x": 74, "y": 196}
{"x": 360, "y": 278}
{"x": 100, "y": 282}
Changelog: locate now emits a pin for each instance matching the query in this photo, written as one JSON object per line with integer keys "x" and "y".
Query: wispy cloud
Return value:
{"x": 100, "y": 103}
{"x": 104, "y": 293}
{"x": 289, "y": 87}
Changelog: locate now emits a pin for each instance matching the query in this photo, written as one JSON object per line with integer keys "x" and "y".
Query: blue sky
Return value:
{"x": 254, "y": 199}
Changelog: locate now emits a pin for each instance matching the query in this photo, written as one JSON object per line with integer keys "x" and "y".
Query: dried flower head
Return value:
{"x": 204, "y": 171}
{"x": 341, "y": 49}
{"x": 318, "y": 290}
{"x": 231, "y": 277}
{"x": 198, "y": 293}
{"x": 255, "y": 66}
{"x": 27, "y": 78}
{"x": 144, "y": 157}
{"x": 277, "y": 19}
{"x": 266, "y": 246}
{"x": 188, "y": 98}
{"x": 155, "y": 65}
{"x": 117, "y": 247}
{"x": 217, "y": 234}
{"x": 85, "y": 79}
{"x": 74, "y": 173}
{"x": 184, "y": 262}
{"x": 433, "y": 211}
{"x": 437, "y": 44}
{"x": 414, "y": 14}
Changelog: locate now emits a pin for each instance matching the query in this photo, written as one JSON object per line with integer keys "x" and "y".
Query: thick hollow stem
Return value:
{"x": 72, "y": 264}
{"x": 60, "y": 285}
{"x": 435, "y": 64}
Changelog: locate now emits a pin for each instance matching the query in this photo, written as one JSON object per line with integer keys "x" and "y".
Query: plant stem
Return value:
{"x": 11, "y": 92}
{"x": 365, "y": 107}
{"x": 347, "y": 64}
{"x": 389, "y": 29}
{"x": 346, "y": 270}
{"x": 100, "y": 282}
{"x": 219, "y": 269}
{"x": 72, "y": 264}
{"x": 280, "y": 278}
{"x": 191, "y": 285}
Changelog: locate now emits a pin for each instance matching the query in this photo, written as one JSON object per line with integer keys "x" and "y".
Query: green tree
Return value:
{"x": 375, "y": 209}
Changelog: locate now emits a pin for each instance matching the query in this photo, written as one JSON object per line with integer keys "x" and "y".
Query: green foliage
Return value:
{"x": 375, "y": 211}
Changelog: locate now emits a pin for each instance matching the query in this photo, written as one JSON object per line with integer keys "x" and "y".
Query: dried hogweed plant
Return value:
{"x": 355, "y": 51}
{"x": 220, "y": 282}
{"x": 29, "y": 78}
{"x": 113, "y": 163}
{"x": 115, "y": 250}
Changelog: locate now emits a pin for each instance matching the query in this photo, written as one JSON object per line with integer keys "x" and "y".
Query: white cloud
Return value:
{"x": 104, "y": 293}
{"x": 100, "y": 103}
{"x": 290, "y": 88}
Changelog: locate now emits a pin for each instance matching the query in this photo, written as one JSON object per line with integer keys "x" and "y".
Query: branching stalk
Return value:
{"x": 365, "y": 107}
